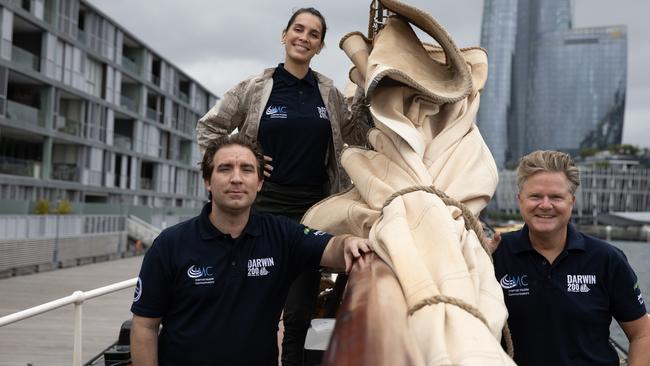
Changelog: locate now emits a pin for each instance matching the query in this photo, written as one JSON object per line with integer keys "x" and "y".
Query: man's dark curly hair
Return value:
{"x": 207, "y": 164}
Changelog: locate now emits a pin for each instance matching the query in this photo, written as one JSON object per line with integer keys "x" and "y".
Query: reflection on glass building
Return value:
{"x": 550, "y": 86}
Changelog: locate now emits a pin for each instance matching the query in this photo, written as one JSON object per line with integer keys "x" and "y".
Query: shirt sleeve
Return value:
{"x": 306, "y": 246}
{"x": 153, "y": 285}
{"x": 229, "y": 113}
{"x": 626, "y": 300}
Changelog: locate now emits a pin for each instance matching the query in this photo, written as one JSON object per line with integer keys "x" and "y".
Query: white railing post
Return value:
{"x": 78, "y": 312}
{"x": 77, "y": 298}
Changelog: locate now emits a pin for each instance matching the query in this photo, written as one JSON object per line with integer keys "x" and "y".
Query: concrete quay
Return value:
{"x": 47, "y": 339}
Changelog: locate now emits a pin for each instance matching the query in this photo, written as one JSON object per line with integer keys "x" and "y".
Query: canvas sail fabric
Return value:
{"x": 424, "y": 101}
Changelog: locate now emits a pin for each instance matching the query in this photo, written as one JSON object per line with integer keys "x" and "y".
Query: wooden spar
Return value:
{"x": 371, "y": 326}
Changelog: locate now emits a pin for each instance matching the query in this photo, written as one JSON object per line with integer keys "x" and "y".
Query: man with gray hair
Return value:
{"x": 562, "y": 287}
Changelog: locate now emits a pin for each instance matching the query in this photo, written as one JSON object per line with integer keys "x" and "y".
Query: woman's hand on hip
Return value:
{"x": 268, "y": 168}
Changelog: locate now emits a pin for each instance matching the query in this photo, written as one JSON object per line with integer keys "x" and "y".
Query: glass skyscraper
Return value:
{"x": 550, "y": 86}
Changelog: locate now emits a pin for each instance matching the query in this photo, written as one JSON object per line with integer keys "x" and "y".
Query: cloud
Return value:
{"x": 220, "y": 43}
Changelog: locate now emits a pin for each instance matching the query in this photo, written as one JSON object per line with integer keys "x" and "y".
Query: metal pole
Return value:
{"x": 78, "y": 311}
{"x": 55, "y": 256}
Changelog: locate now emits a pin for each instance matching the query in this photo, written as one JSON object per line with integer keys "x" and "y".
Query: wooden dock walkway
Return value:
{"x": 47, "y": 339}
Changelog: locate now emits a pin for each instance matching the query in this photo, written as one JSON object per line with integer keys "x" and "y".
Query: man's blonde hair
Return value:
{"x": 548, "y": 161}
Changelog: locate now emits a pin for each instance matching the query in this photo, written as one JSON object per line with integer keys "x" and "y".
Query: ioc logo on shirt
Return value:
{"x": 201, "y": 275}
{"x": 508, "y": 282}
{"x": 515, "y": 285}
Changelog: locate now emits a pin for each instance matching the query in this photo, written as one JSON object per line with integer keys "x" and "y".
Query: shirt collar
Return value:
{"x": 207, "y": 231}
{"x": 285, "y": 76}
{"x": 575, "y": 241}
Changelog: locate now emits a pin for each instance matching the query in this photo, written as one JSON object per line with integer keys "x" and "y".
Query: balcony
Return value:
{"x": 66, "y": 172}
{"x": 68, "y": 126}
{"x": 123, "y": 142}
{"x": 155, "y": 79}
{"x": 130, "y": 65}
{"x": 25, "y": 59}
{"x": 184, "y": 97}
{"x": 152, "y": 114}
{"x": 182, "y": 126}
{"x": 21, "y": 167}
{"x": 82, "y": 36}
{"x": 128, "y": 103}
{"x": 146, "y": 183}
{"x": 185, "y": 158}
{"x": 24, "y": 113}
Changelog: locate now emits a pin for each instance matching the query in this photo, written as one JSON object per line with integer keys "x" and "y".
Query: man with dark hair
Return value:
{"x": 562, "y": 287}
{"x": 218, "y": 282}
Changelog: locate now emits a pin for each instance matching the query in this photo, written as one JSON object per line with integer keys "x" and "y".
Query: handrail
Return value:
{"x": 144, "y": 223}
{"x": 142, "y": 230}
{"x": 77, "y": 298}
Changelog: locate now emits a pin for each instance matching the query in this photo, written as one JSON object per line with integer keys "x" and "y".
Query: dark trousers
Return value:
{"x": 293, "y": 202}
{"x": 298, "y": 310}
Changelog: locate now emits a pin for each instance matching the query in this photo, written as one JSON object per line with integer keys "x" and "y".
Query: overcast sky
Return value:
{"x": 220, "y": 43}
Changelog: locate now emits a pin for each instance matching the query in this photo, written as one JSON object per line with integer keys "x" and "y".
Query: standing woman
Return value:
{"x": 302, "y": 121}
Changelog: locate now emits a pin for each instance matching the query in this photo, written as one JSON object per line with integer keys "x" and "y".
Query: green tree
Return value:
{"x": 587, "y": 151}
{"x": 624, "y": 149}
{"x": 42, "y": 207}
{"x": 64, "y": 207}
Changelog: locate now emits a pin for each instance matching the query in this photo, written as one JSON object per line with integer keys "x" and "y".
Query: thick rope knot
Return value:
{"x": 471, "y": 223}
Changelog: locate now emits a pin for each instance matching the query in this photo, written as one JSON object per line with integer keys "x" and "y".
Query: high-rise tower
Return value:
{"x": 551, "y": 86}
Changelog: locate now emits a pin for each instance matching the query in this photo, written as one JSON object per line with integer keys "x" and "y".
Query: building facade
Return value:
{"x": 550, "y": 86}
{"x": 91, "y": 114}
{"x": 606, "y": 185}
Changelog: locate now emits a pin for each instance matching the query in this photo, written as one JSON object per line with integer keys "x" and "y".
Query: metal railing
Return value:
{"x": 183, "y": 126}
{"x": 130, "y": 65}
{"x": 146, "y": 183}
{"x": 77, "y": 298}
{"x": 152, "y": 114}
{"x": 128, "y": 103}
{"x": 47, "y": 226}
{"x": 184, "y": 97}
{"x": 123, "y": 142}
{"x": 68, "y": 126}
{"x": 22, "y": 167}
{"x": 66, "y": 172}
{"x": 141, "y": 230}
{"x": 24, "y": 113}
{"x": 25, "y": 58}
{"x": 155, "y": 79}
{"x": 82, "y": 36}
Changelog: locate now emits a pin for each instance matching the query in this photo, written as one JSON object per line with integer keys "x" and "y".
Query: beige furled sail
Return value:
{"x": 424, "y": 101}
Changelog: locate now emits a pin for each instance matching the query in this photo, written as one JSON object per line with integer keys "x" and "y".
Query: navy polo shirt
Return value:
{"x": 220, "y": 298}
{"x": 559, "y": 313}
{"x": 295, "y": 130}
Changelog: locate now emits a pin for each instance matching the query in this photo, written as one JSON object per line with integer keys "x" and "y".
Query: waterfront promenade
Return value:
{"x": 47, "y": 339}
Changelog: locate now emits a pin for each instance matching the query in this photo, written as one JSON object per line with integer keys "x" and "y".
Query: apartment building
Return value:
{"x": 91, "y": 114}
{"x": 612, "y": 184}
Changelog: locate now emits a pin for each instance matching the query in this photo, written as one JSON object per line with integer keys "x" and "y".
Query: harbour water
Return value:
{"x": 638, "y": 254}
